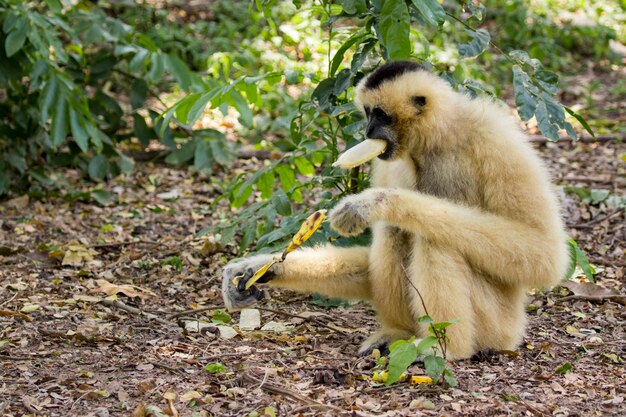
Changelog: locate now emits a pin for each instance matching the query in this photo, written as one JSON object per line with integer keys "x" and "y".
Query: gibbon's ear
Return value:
{"x": 419, "y": 101}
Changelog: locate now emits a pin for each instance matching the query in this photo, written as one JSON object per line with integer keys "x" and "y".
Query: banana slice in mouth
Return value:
{"x": 361, "y": 153}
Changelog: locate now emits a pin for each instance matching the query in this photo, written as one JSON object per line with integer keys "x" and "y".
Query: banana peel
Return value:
{"x": 361, "y": 153}
{"x": 308, "y": 227}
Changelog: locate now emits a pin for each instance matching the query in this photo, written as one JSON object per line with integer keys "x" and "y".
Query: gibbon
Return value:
{"x": 460, "y": 205}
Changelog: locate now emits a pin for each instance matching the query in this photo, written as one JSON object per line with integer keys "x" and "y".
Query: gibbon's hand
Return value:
{"x": 236, "y": 296}
{"x": 355, "y": 213}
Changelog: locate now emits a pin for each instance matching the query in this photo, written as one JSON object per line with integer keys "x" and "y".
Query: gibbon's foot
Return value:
{"x": 350, "y": 217}
{"x": 236, "y": 296}
{"x": 484, "y": 355}
{"x": 383, "y": 348}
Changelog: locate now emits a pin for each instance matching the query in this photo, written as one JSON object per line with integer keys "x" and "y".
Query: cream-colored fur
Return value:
{"x": 464, "y": 209}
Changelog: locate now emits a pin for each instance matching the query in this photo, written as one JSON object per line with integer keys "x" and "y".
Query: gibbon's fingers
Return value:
{"x": 350, "y": 217}
{"x": 361, "y": 153}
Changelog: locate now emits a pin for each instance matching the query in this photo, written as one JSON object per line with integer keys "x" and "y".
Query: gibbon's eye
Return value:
{"x": 383, "y": 118}
{"x": 419, "y": 101}
{"x": 367, "y": 111}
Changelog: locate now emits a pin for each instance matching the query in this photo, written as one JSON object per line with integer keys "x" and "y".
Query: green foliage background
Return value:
{"x": 85, "y": 84}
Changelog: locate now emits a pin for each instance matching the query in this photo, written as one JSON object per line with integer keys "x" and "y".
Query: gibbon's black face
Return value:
{"x": 387, "y": 104}
{"x": 380, "y": 126}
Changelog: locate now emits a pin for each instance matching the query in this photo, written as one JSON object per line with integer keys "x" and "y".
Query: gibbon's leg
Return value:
{"x": 444, "y": 281}
{"x": 510, "y": 251}
{"x": 390, "y": 250}
{"x": 328, "y": 270}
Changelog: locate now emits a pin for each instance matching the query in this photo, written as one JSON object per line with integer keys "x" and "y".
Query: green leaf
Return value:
{"x": 241, "y": 195}
{"x": 426, "y": 343}
{"x": 280, "y": 201}
{"x": 240, "y": 103}
{"x": 183, "y": 154}
{"x": 450, "y": 378}
{"x": 563, "y": 369}
{"x": 49, "y": 94}
{"x": 581, "y": 259}
{"x": 394, "y": 29}
{"x": 125, "y": 163}
{"x": 198, "y": 107}
{"x": 222, "y": 154}
{"x": 203, "y": 155}
{"x": 220, "y": 317}
{"x": 215, "y": 368}
{"x": 353, "y": 6}
{"x": 478, "y": 44}
{"x": 16, "y": 39}
{"x": 98, "y": 167}
{"x": 549, "y": 129}
{"x": 322, "y": 94}
{"x": 400, "y": 358}
{"x": 548, "y": 80}
{"x": 581, "y": 120}
{"x": 360, "y": 56}
{"x": 54, "y": 5}
{"x": 184, "y": 106}
{"x": 286, "y": 175}
{"x": 572, "y": 254}
{"x": 58, "y": 130}
{"x": 303, "y": 166}
{"x": 141, "y": 129}
{"x": 180, "y": 71}
{"x": 79, "y": 133}
{"x": 16, "y": 160}
{"x": 265, "y": 184}
{"x": 102, "y": 197}
{"x": 435, "y": 366}
{"x": 338, "y": 58}
{"x": 431, "y": 11}
{"x": 157, "y": 67}
{"x": 138, "y": 93}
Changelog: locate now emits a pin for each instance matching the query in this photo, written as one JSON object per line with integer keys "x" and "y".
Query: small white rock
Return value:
{"x": 250, "y": 319}
{"x": 227, "y": 332}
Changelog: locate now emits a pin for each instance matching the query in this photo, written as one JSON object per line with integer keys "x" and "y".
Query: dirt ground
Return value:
{"x": 96, "y": 317}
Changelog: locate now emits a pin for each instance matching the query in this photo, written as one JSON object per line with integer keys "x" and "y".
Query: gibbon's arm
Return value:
{"x": 328, "y": 270}
{"x": 507, "y": 250}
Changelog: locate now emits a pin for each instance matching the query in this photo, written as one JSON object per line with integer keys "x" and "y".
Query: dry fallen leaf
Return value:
{"x": 594, "y": 292}
{"x": 77, "y": 254}
{"x": 106, "y": 287}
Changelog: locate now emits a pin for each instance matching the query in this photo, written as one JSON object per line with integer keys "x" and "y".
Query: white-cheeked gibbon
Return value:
{"x": 460, "y": 205}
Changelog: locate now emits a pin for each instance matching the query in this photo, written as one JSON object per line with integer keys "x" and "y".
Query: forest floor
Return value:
{"x": 115, "y": 311}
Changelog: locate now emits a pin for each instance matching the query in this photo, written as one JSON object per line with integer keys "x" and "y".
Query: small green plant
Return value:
{"x": 431, "y": 348}
{"x": 215, "y": 368}
{"x": 175, "y": 261}
{"x": 579, "y": 259}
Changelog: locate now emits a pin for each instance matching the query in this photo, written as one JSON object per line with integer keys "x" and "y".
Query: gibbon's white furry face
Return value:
{"x": 460, "y": 205}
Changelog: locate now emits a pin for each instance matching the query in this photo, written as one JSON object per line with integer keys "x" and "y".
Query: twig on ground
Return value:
{"x": 15, "y": 314}
{"x": 234, "y": 355}
{"x": 597, "y": 219}
{"x": 620, "y": 299}
{"x": 134, "y": 311}
{"x": 583, "y": 139}
{"x": 164, "y": 366}
{"x": 17, "y": 358}
{"x": 195, "y": 311}
{"x": 126, "y": 243}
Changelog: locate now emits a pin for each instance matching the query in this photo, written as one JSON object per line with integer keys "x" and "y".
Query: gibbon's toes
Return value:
{"x": 347, "y": 220}
{"x": 383, "y": 348}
